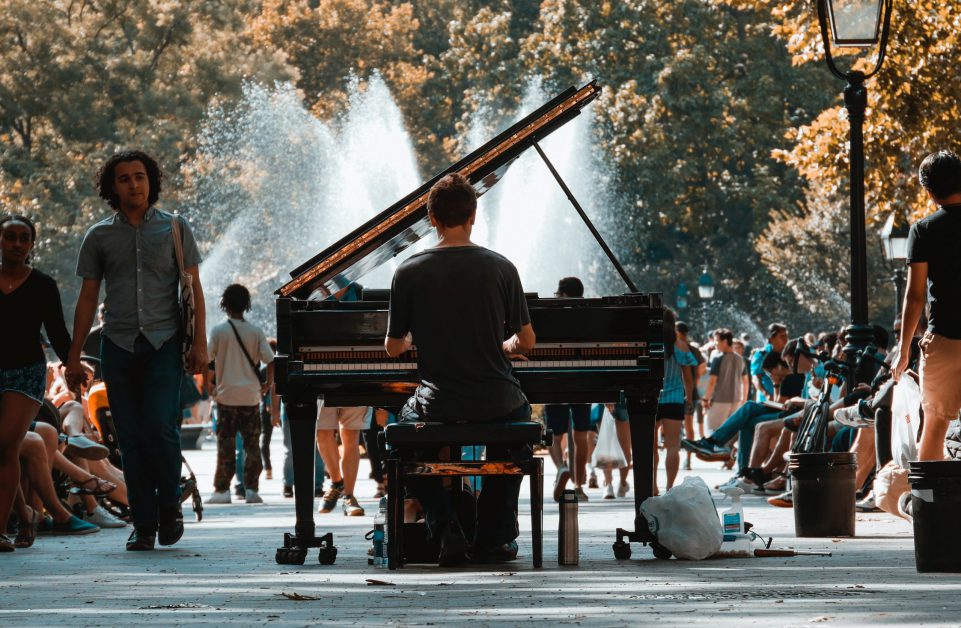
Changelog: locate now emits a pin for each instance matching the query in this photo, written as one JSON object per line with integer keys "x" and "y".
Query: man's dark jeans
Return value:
{"x": 143, "y": 389}
{"x": 497, "y": 504}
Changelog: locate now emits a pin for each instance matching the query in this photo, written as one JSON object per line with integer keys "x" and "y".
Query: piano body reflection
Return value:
{"x": 588, "y": 349}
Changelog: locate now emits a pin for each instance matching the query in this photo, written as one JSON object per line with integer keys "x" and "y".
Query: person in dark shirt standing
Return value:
{"x": 132, "y": 253}
{"x": 934, "y": 268}
{"x": 28, "y": 299}
{"x": 455, "y": 301}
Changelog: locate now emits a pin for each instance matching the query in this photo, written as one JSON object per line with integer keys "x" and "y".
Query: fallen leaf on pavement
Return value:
{"x": 297, "y": 597}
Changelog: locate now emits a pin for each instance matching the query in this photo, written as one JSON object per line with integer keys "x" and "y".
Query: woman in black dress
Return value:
{"x": 28, "y": 299}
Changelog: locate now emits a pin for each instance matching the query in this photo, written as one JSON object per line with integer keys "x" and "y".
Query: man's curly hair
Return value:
{"x": 105, "y": 176}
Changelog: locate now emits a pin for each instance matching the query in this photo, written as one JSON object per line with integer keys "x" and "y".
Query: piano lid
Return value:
{"x": 405, "y": 222}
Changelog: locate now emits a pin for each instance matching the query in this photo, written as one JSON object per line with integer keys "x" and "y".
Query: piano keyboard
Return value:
{"x": 555, "y": 355}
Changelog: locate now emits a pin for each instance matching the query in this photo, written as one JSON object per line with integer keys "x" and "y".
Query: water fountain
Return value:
{"x": 528, "y": 219}
{"x": 273, "y": 185}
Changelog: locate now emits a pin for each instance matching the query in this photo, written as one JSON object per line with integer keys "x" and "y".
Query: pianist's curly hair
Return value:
{"x": 452, "y": 200}
{"x": 105, "y": 176}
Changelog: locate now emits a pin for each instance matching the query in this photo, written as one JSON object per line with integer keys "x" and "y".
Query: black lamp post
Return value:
{"x": 894, "y": 237}
{"x": 705, "y": 290}
{"x": 856, "y": 23}
{"x": 681, "y": 296}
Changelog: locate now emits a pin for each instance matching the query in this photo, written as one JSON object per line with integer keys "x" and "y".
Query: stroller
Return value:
{"x": 102, "y": 420}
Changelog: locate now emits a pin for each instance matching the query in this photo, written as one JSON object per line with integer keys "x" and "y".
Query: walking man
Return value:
{"x": 237, "y": 347}
{"x": 933, "y": 270}
{"x": 132, "y": 254}
{"x": 727, "y": 387}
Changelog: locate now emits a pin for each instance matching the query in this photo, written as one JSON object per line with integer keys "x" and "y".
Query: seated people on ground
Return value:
{"x": 455, "y": 301}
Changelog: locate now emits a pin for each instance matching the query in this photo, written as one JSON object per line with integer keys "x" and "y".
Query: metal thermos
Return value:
{"x": 568, "y": 549}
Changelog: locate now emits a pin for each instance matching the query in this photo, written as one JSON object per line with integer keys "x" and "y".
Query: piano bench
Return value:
{"x": 413, "y": 453}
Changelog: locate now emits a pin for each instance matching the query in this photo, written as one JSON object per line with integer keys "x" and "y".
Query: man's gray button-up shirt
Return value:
{"x": 140, "y": 275}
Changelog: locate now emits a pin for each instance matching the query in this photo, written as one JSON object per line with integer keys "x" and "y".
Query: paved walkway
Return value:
{"x": 223, "y": 572}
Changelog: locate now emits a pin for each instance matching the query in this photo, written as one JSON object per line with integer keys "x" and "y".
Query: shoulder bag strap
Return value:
{"x": 178, "y": 244}
{"x": 244, "y": 349}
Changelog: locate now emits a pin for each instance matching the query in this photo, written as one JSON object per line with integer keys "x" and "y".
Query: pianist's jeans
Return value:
{"x": 742, "y": 424}
{"x": 497, "y": 504}
{"x": 143, "y": 387}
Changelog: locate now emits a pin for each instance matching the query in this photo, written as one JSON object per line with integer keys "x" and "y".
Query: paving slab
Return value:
{"x": 223, "y": 573}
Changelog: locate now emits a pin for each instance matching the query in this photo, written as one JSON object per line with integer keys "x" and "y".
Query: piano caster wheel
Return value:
{"x": 291, "y": 556}
{"x": 327, "y": 555}
{"x": 660, "y": 551}
{"x": 622, "y": 550}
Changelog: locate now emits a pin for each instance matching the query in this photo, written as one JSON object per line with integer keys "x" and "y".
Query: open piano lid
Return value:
{"x": 405, "y": 222}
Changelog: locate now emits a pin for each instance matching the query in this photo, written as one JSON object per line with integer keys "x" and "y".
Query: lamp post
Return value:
{"x": 858, "y": 24}
{"x": 894, "y": 237}
{"x": 705, "y": 290}
{"x": 681, "y": 296}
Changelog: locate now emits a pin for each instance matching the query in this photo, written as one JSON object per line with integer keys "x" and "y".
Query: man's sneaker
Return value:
{"x": 381, "y": 490}
{"x": 608, "y": 491}
{"x": 851, "y": 417}
{"x": 219, "y": 497}
{"x": 454, "y": 549}
{"x": 706, "y": 449}
{"x": 252, "y": 497}
{"x": 503, "y": 553}
{"x": 170, "y": 528}
{"x": 730, "y": 483}
{"x": 239, "y": 490}
{"x": 74, "y": 525}
{"x": 867, "y": 504}
{"x": 784, "y": 500}
{"x": 581, "y": 495}
{"x": 329, "y": 502}
{"x": 104, "y": 519}
{"x": 351, "y": 507}
{"x": 141, "y": 540}
{"x": 623, "y": 489}
{"x": 592, "y": 480}
{"x": 560, "y": 482}
{"x": 288, "y": 490}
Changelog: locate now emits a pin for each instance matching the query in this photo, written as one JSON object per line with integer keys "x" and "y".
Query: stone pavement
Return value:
{"x": 223, "y": 572}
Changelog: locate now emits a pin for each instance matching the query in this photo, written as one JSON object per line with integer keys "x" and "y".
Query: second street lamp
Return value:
{"x": 705, "y": 290}
{"x": 856, "y": 23}
{"x": 894, "y": 237}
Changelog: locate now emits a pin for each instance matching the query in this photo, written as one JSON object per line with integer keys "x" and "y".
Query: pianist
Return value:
{"x": 455, "y": 301}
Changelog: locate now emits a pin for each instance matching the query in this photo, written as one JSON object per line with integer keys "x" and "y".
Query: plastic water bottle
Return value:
{"x": 733, "y": 517}
{"x": 568, "y": 549}
{"x": 380, "y": 535}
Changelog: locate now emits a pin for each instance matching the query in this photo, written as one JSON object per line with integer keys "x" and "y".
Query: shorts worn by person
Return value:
{"x": 455, "y": 301}
{"x": 132, "y": 254}
{"x": 933, "y": 270}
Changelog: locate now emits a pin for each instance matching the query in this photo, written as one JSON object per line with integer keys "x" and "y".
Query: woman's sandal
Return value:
{"x": 27, "y": 530}
{"x": 93, "y": 486}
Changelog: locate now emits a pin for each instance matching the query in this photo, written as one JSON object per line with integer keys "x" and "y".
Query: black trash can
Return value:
{"x": 936, "y": 508}
{"x": 824, "y": 493}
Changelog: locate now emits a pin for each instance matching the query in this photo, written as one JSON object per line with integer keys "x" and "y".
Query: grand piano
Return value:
{"x": 588, "y": 350}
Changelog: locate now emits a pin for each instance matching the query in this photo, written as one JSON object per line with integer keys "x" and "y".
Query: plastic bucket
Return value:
{"x": 824, "y": 493}
{"x": 936, "y": 508}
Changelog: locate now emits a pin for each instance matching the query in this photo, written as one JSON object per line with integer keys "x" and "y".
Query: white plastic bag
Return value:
{"x": 685, "y": 521}
{"x": 608, "y": 452}
{"x": 905, "y": 421}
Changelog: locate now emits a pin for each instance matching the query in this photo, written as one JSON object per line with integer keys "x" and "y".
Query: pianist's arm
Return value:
{"x": 521, "y": 342}
{"x": 396, "y": 346}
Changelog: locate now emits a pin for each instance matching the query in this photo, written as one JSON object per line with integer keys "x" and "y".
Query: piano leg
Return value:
{"x": 643, "y": 414}
{"x": 302, "y": 415}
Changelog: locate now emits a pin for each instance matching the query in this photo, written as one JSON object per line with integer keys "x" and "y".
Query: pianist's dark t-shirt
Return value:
{"x": 458, "y": 303}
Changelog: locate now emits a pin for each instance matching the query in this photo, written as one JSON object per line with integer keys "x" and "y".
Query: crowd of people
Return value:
{"x": 92, "y": 441}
